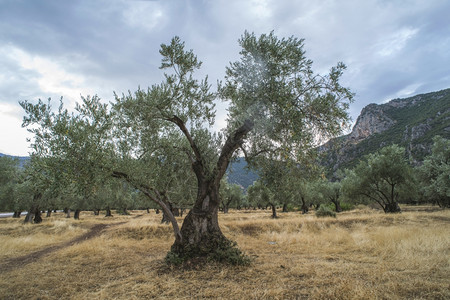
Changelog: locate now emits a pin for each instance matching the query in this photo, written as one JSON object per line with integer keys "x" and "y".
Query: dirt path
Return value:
{"x": 21, "y": 261}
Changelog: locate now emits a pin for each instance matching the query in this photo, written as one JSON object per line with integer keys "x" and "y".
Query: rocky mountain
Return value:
{"x": 411, "y": 122}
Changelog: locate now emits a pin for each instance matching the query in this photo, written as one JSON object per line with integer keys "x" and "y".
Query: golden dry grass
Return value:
{"x": 363, "y": 254}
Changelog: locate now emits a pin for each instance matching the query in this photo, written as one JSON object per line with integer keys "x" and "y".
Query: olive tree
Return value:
{"x": 278, "y": 107}
{"x": 434, "y": 174}
{"x": 331, "y": 192}
{"x": 384, "y": 177}
{"x": 260, "y": 195}
{"x": 9, "y": 180}
{"x": 231, "y": 195}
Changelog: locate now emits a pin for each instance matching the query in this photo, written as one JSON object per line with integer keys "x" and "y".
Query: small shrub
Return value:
{"x": 173, "y": 259}
{"x": 325, "y": 212}
{"x": 347, "y": 206}
{"x": 290, "y": 208}
{"x": 229, "y": 253}
{"x": 329, "y": 206}
{"x": 226, "y": 253}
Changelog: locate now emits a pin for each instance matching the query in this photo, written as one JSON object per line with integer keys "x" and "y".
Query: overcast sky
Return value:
{"x": 52, "y": 48}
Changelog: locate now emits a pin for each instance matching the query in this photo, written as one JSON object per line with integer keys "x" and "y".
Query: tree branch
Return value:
{"x": 155, "y": 196}
{"x": 233, "y": 142}
{"x": 197, "y": 165}
{"x": 177, "y": 121}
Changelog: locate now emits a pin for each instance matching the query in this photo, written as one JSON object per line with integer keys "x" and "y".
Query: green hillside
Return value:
{"x": 238, "y": 173}
{"x": 414, "y": 123}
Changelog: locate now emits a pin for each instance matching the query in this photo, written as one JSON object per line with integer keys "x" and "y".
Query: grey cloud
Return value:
{"x": 97, "y": 39}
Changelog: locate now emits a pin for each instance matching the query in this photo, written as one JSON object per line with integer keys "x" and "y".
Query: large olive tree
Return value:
{"x": 278, "y": 107}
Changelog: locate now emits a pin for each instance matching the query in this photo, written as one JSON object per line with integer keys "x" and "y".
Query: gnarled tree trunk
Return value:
{"x": 200, "y": 232}
{"x": 337, "y": 205}
{"x": 76, "y": 215}
{"x": 305, "y": 208}
{"x": 108, "y": 212}
{"x": 274, "y": 210}
{"x": 34, "y": 213}
{"x": 30, "y": 215}
{"x": 17, "y": 214}
{"x": 392, "y": 207}
{"x": 37, "y": 217}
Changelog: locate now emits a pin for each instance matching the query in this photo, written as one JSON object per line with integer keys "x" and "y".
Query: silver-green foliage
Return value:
{"x": 384, "y": 177}
{"x": 291, "y": 107}
{"x": 434, "y": 174}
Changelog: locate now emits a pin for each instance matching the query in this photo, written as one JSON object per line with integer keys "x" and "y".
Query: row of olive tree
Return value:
{"x": 384, "y": 177}
{"x": 35, "y": 188}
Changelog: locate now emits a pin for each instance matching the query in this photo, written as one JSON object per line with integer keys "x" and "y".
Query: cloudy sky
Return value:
{"x": 52, "y": 48}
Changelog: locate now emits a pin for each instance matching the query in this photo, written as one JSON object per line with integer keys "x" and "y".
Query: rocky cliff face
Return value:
{"x": 410, "y": 122}
{"x": 372, "y": 120}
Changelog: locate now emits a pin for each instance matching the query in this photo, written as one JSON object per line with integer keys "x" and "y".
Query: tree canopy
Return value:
{"x": 434, "y": 174}
{"x": 383, "y": 177}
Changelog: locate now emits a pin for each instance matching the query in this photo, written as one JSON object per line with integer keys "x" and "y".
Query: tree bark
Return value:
{"x": 17, "y": 214}
{"x": 96, "y": 212}
{"x": 108, "y": 212}
{"x": 392, "y": 207}
{"x": 176, "y": 211}
{"x": 37, "y": 217}
{"x": 285, "y": 209}
{"x": 274, "y": 211}
{"x": 49, "y": 213}
{"x": 34, "y": 213}
{"x": 337, "y": 205}
{"x": 30, "y": 215}
{"x": 67, "y": 212}
{"x": 200, "y": 232}
{"x": 305, "y": 208}
{"x": 166, "y": 218}
{"x": 76, "y": 215}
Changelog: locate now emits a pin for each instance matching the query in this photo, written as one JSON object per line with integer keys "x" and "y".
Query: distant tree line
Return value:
{"x": 384, "y": 178}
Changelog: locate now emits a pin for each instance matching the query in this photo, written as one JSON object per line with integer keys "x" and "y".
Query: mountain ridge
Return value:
{"x": 409, "y": 122}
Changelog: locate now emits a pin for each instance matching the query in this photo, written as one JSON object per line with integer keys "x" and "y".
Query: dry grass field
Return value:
{"x": 361, "y": 254}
